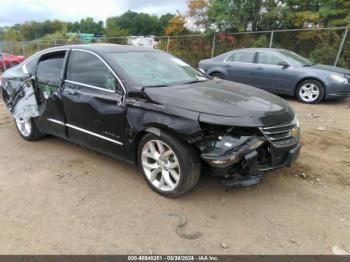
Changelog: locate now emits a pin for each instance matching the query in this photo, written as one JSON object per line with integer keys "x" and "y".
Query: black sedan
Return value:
{"x": 282, "y": 72}
{"x": 151, "y": 109}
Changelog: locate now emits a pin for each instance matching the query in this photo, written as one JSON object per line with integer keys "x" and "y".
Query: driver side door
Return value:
{"x": 271, "y": 75}
{"x": 92, "y": 100}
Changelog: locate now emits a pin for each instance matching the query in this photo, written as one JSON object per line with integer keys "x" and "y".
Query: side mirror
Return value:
{"x": 283, "y": 64}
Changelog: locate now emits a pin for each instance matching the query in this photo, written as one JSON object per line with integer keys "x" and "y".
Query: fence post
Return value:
{"x": 341, "y": 47}
{"x": 271, "y": 39}
{"x": 167, "y": 45}
{"x": 11, "y": 47}
{"x": 213, "y": 46}
{"x": 23, "y": 50}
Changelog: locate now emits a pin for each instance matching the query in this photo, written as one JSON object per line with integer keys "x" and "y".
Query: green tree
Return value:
{"x": 88, "y": 25}
{"x": 198, "y": 11}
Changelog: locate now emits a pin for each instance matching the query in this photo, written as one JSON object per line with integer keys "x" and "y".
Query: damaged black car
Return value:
{"x": 152, "y": 109}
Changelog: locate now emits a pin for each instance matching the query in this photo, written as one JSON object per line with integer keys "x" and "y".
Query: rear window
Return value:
{"x": 243, "y": 57}
{"x": 49, "y": 68}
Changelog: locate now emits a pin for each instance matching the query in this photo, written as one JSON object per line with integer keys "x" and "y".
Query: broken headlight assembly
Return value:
{"x": 229, "y": 147}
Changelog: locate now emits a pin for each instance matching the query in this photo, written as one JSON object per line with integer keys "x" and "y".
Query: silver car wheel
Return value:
{"x": 24, "y": 126}
{"x": 309, "y": 92}
{"x": 160, "y": 165}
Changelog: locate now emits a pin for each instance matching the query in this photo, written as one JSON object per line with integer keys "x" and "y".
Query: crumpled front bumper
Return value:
{"x": 248, "y": 170}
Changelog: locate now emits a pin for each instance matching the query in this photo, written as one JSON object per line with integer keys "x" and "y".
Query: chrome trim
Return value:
{"x": 99, "y": 57}
{"x": 90, "y": 86}
{"x": 85, "y": 131}
{"x": 256, "y": 51}
{"x": 56, "y": 121}
{"x": 280, "y": 138}
{"x": 275, "y": 132}
{"x": 284, "y": 125}
{"x": 93, "y": 134}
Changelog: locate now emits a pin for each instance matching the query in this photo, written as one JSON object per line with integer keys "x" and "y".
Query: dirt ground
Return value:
{"x": 59, "y": 198}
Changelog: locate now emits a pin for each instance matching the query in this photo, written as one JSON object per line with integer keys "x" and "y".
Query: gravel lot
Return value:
{"x": 59, "y": 198}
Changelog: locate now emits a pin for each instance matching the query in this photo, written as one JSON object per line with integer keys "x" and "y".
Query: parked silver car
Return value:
{"x": 280, "y": 71}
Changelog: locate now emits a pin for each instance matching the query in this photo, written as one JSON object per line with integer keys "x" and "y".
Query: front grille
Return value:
{"x": 282, "y": 135}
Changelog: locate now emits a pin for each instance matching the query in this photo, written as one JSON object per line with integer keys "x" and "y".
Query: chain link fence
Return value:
{"x": 330, "y": 46}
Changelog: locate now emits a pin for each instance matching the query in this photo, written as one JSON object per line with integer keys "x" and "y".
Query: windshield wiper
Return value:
{"x": 307, "y": 65}
{"x": 161, "y": 85}
{"x": 194, "y": 81}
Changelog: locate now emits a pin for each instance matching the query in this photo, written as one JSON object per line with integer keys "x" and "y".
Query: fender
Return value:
{"x": 217, "y": 69}
{"x": 146, "y": 117}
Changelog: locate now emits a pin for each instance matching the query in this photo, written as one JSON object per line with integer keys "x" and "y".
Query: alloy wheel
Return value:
{"x": 160, "y": 165}
{"x": 309, "y": 92}
{"x": 24, "y": 126}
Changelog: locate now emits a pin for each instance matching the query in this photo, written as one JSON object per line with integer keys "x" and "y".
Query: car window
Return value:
{"x": 31, "y": 65}
{"x": 269, "y": 59}
{"x": 156, "y": 68}
{"x": 86, "y": 68}
{"x": 243, "y": 57}
{"x": 49, "y": 68}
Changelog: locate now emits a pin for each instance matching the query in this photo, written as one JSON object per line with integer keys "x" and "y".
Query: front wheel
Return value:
{"x": 310, "y": 91}
{"x": 28, "y": 129}
{"x": 170, "y": 166}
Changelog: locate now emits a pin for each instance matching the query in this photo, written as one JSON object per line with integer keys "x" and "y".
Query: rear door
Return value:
{"x": 240, "y": 67}
{"x": 48, "y": 82}
{"x": 271, "y": 76}
{"x": 93, "y": 103}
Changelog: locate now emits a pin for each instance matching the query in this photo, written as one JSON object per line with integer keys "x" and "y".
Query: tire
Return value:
{"x": 188, "y": 168}
{"x": 310, "y": 91}
{"x": 217, "y": 75}
{"x": 28, "y": 129}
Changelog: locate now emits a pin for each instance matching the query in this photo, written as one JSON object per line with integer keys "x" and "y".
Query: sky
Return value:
{"x": 19, "y": 11}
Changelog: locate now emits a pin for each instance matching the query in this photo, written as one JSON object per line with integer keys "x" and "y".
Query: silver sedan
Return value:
{"x": 280, "y": 71}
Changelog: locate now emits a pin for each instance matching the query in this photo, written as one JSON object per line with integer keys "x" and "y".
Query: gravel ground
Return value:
{"x": 59, "y": 198}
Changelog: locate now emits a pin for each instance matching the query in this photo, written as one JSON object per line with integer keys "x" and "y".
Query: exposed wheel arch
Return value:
{"x": 218, "y": 74}
{"x": 156, "y": 130}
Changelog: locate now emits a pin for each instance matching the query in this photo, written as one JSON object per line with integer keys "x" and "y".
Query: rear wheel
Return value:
{"x": 28, "y": 129}
{"x": 170, "y": 166}
{"x": 310, "y": 91}
{"x": 217, "y": 75}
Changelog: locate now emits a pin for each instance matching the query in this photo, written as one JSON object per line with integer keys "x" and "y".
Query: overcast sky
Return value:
{"x": 19, "y": 11}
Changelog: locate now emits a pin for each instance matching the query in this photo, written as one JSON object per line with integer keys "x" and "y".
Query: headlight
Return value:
{"x": 339, "y": 78}
{"x": 295, "y": 131}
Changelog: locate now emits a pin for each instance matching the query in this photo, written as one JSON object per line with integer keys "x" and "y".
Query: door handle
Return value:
{"x": 72, "y": 92}
{"x": 259, "y": 68}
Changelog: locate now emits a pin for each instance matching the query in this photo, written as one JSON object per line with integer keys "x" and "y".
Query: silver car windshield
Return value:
{"x": 295, "y": 57}
{"x": 156, "y": 69}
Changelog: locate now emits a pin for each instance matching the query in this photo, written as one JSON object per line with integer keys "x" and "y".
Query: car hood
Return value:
{"x": 224, "y": 102}
{"x": 331, "y": 69}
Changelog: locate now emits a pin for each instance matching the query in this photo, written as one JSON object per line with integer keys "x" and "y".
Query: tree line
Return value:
{"x": 203, "y": 16}
{"x": 207, "y": 17}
